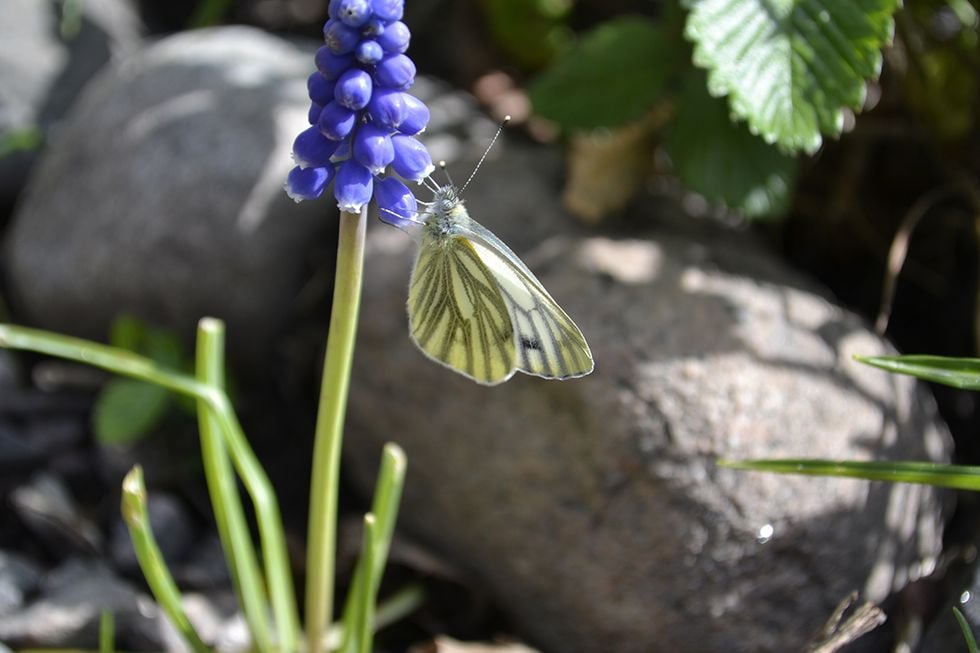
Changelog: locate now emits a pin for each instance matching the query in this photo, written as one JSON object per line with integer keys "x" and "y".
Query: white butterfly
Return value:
{"x": 474, "y": 306}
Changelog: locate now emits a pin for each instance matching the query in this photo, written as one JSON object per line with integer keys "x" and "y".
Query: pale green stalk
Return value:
{"x": 387, "y": 498}
{"x": 107, "y": 632}
{"x": 151, "y": 559}
{"x": 229, "y": 514}
{"x": 321, "y": 544}
{"x": 368, "y": 595}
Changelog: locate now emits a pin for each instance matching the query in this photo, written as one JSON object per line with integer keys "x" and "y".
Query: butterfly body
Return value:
{"x": 474, "y": 306}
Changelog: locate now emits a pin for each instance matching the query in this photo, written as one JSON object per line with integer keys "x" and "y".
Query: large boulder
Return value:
{"x": 594, "y": 509}
{"x": 161, "y": 196}
{"x": 47, "y": 55}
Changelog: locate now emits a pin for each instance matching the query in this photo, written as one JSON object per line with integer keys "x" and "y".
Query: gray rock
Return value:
{"x": 594, "y": 509}
{"x": 171, "y": 526}
{"x": 42, "y": 69}
{"x": 162, "y": 196}
{"x": 46, "y": 507}
{"x": 18, "y": 577}
{"x": 71, "y": 601}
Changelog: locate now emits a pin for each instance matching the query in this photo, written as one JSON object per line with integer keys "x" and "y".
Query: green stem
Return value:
{"x": 229, "y": 514}
{"x": 151, "y": 559}
{"x": 387, "y": 497}
{"x": 107, "y": 632}
{"x": 271, "y": 533}
{"x": 322, "y": 536}
{"x": 368, "y": 594}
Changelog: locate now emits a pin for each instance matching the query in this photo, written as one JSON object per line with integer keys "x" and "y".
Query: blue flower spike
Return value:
{"x": 364, "y": 121}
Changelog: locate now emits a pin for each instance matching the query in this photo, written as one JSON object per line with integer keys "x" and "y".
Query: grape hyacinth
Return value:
{"x": 363, "y": 121}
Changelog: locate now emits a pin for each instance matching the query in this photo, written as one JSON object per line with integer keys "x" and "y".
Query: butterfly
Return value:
{"x": 476, "y": 308}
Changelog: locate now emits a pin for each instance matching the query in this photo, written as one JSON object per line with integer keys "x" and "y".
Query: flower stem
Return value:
{"x": 321, "y": 544}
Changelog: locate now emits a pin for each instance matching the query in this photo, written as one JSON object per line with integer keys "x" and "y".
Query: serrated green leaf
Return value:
{"x": 963, "y": 373}
{"x": 788, "y": 67}
{"x": 960, "y": 477}
{"x": 725, "y": 162}
{"x": 126, "y": 410}
{"x": 612, "y": 76}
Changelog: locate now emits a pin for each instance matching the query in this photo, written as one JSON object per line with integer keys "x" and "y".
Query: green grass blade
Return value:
{"x": 229, "y": 513}
{"x": 971, "y": 642}
{"x": 107, "y": 632}
{"x": 118, "y": 361}
{"x": 368, "y": 594}
{"x": 271, "y": 532}
{"x": 961, "y": 373}
{"x": 151, "y": 561}
{"x": 960, "y": 477}
{"x": 387, "y": 498}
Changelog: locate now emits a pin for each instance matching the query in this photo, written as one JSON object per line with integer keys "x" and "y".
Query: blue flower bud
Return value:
{"x": 396, "y": 204}
{"x": 395, "y": 38}
{"x": 336, "y": 122}
{"x": 353, "y": 89}
{"x": 353, "y": 186}
{"x": 387, "y": 108}
{"x": 354, "y": 12}
{"x": 368, "y": 52}
{"x": 411, "y": 160}
{"x": 374, "y": 27}
{"x": 314, "y": 113}
{"x": 320, "y": 88}
{"x": 416, "y": 115}
{"x": 388, "y": 9}
{"x": 312, "y": 149}
{"x": 395, "y": 71}
{"x": 307, "y": 183}
{"x": 373, "y": 148}
{"x": 340, "y": 38}
{"x": 330, "y": 64}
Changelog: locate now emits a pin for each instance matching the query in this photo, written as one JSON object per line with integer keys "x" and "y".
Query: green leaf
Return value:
{"x": 961, "y": 373}
{"x": 788, "y": 67}
{"x": 960, "y": 477}
{"x": 723, "y": 161}
{"x": 971, "y": 642}
{"x": 612, "y": 76}
{"x": 126, "y": 410}
{"x": 531, "y": 32}
{"x": 127, "y": 332}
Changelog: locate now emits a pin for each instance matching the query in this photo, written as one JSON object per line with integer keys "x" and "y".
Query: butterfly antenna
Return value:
{"x": 479, "y": 163}
{"x": 445, "y": 171}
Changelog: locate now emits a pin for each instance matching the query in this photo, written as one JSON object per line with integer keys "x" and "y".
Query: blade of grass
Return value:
{"x": 271, "y": 532}
{"x": 107, "y": 632}
{"x": 151, "y": 559}
{"x": 961, "y": 373}
{"x": 387, "y": 497}
{"x": 362, "y": 627}
{"x": 229, "y": 513}
{"x": 960, "y": 477}
{"x": 971, "y": 641}
{"x": 392, "y": 610}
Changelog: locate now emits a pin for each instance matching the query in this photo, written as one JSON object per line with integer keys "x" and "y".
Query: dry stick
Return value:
{"x": 900, "y": 247}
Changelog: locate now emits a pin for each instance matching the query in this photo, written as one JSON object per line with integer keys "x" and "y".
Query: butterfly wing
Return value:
{"x": 547, "y": 342}
{"x": 457, "y": 314}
